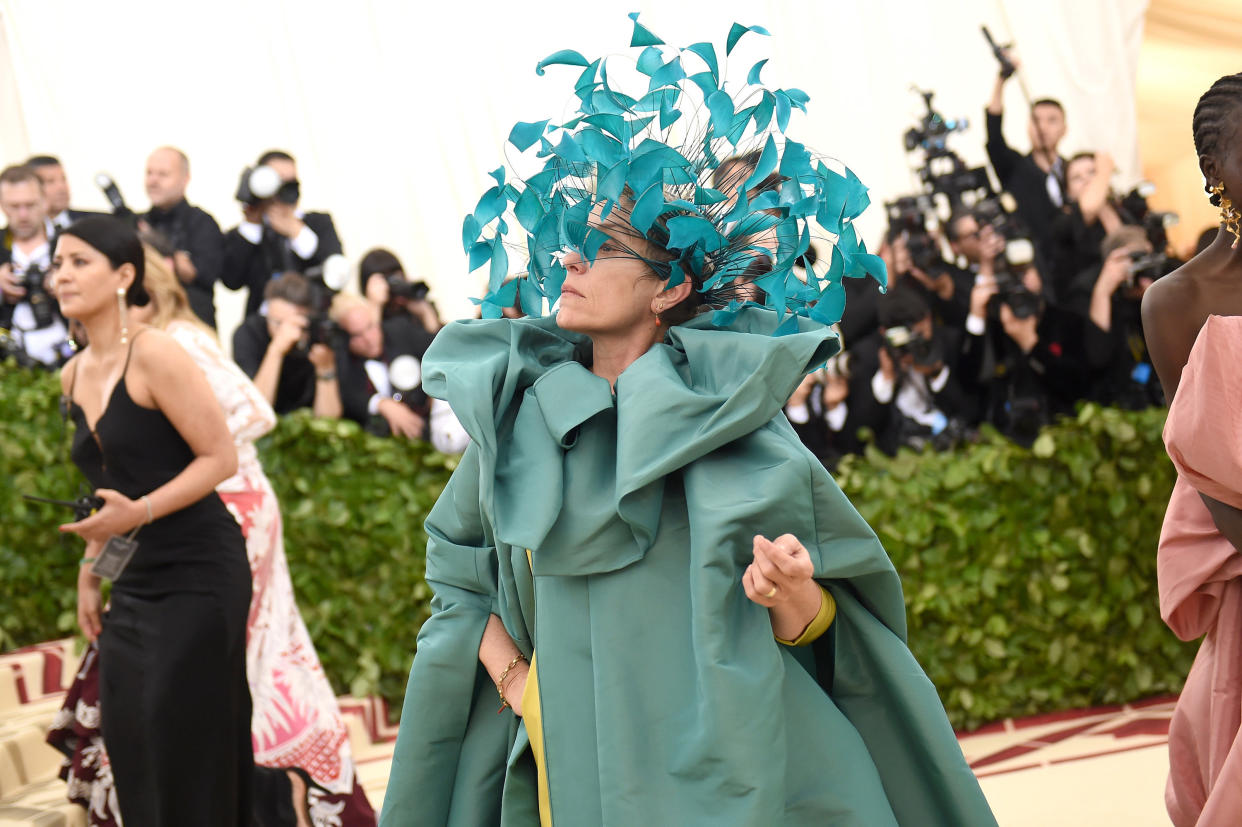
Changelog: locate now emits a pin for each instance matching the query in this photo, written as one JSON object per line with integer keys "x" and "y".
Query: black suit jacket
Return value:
{"x": 254, "y": 265}
{"x": 193, "y": 230}
{"x": 401, "y": 338}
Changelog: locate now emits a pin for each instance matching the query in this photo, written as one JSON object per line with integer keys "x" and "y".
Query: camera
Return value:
{"x": 42, "y": 305}
{"x": 1012, "y": 292}
{"x": 326, "y": 280}
{"x": 902, "y": 341}
{"x": 113, "y": 193}
{"x": 906, "y": 220}
{"x": 261, "y": 183}
{"x": 1149, "y": 266}
{"x": 931, "y": 133}
{"x": 400, "y": 288}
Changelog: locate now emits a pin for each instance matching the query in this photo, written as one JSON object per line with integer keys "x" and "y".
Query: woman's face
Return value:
{"x": 1077, "y": 175}
{"x": 617, "y": 293}
{"x": 83, "y": 279}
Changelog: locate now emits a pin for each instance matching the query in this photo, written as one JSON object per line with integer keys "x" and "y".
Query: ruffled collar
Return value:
{"x": 521, "y": 390}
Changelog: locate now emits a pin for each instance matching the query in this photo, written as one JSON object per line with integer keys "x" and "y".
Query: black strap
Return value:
{"x": 129, "y": 353}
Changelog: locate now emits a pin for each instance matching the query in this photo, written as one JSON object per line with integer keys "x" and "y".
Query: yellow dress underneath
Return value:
{"x": 534, "y": 723}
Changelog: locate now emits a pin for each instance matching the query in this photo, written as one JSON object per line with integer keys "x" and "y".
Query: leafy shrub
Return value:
{"x": 1029, "y": 575}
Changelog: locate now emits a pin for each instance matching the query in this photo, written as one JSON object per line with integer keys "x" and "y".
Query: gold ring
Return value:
{"x": 771, "y": 593}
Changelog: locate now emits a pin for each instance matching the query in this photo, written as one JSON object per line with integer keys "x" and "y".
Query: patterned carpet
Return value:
{"x": 1095, "y": 768}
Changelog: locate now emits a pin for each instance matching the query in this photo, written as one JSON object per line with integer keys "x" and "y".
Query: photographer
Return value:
{"x": 821, "y": 415}
{"x": 275, "y": 350}
{"x": 29, "y": 311}
{"x": 193, "y": 232}
{"x": 55, "y": 191}
{"x": 1036, "y": 181}
{"x": 1022, "y": 360}
{"x": 903, "y": 386}
{"x": 274, "y": 236}
{"x": 1088, "y": 217}
{"x": 370, "y": 393}
{"x": 383, "y": 281}
{"x": 1121, "y": 370}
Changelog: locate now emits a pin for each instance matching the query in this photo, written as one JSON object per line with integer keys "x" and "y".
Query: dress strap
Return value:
{"x": 128, "y": 355}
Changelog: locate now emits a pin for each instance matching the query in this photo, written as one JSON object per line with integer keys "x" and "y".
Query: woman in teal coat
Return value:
{"x": 601, "y": 557}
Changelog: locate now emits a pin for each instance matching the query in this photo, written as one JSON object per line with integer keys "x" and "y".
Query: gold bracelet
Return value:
{"x": 500, "y": 682}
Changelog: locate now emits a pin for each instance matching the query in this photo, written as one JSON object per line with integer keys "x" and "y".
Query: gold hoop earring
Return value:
{"x": 120, "y": 306}
{"x": 1229, "y": 214}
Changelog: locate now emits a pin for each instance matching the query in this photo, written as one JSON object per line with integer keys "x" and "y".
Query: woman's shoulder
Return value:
{"x": 155, "y": 350}
{"x": 68, "y": 370}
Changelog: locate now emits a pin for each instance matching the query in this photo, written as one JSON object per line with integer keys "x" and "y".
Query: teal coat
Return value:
{"x": 665, "y": 698}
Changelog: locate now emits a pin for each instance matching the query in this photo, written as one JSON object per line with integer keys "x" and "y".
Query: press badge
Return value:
{"x": 115, "y": 556}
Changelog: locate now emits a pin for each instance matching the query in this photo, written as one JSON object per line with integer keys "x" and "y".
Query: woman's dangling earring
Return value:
{"x": 1229, "y": 214}
{"x": 120, "y": 306}
{"x": 659, "y": 310}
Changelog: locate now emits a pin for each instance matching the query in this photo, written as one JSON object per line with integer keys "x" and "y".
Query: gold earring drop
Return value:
{"x": 120, "y": 306}
{"x": 1229, "y": 214}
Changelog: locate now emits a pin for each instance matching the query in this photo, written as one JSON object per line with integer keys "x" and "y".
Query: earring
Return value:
{"x": 1229, "y": 214}
{"x": 659, "y": 310}
{"x": 120, "y": 306}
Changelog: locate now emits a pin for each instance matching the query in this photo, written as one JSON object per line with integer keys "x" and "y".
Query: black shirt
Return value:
{"x": 193, "y": 230}
{"x": 296, "y": 386}
{"x": 254, "y": 265}
{"x": 1075, "y": 248}
{"x": 1028, "y": 183}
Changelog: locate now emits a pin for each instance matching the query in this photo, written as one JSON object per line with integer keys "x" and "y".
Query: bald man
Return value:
{"x": 194, "y": 234}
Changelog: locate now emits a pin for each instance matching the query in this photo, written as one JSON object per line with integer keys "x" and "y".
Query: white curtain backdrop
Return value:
{"x": 396, "y": 111}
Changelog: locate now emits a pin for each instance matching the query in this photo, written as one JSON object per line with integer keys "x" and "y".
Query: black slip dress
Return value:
{"x": 174, "y": 702}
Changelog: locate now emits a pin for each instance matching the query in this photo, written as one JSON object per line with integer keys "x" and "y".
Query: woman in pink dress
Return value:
{"x": 1192, "y": 320}
{"x": 296, "y": 722}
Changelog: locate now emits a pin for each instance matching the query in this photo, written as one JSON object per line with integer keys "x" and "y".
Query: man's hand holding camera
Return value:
{"x": 10, "y": 284}
{"x": 401, "y": 420}
{"x": 1023, "y": 331}
{"x": 290, "y": 332}
{"x": 283, "y": 219}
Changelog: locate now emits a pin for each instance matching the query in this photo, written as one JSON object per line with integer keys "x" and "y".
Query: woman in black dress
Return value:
{"x": 152, "y": 440}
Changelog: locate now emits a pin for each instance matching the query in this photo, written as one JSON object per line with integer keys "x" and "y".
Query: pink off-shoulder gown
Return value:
{"x": 1200, "y": 578}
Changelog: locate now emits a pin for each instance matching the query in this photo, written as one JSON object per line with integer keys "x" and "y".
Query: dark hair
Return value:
{"x": 955, "y": 218}
{"x": 379, "y": 260}
{"x": 19, "y": 174}
{"x": 1048, "y": 102}
{"x": 901, "y": 307}
{"x": 119, "y": 243}
{"x": 40, "y": 161}
{"x": 727, "y": 176}
{"x": 1215, "y": 112}
{"x": 291, "y": 287}
{"x": 276, "y": 155}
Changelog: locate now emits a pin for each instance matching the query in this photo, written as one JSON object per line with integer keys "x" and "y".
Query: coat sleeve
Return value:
{"x": 862, "y": 662}
{"x": 449, "y": 762}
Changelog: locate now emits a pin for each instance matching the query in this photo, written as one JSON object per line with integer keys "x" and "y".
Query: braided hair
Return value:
{"x": 1216, "y": 110}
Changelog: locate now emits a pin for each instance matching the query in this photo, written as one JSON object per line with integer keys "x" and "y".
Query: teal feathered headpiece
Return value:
{"x": 705, "y": 173}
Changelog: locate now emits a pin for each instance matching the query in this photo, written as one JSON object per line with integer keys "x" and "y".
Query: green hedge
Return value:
{"x": 1029, "y": 575}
